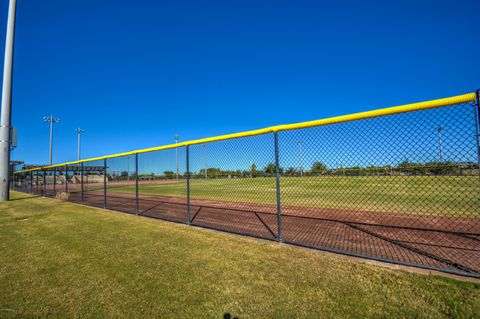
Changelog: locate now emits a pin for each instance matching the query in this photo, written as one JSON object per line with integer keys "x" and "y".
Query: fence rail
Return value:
{"x": 400, "y": 184}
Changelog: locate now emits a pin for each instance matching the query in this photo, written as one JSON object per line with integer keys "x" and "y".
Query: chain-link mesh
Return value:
{"x": 403, "y": 188}
{"x": 120, "y": 178}
{"x": 92, "y": 177}
{"x": 162, "y": 185}
{"x": 232, "y": 186}
{"x": 71, "y": 182}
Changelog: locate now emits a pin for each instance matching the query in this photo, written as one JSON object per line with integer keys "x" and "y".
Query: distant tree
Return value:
{"x": 440, "y": 168}
{"x": 271, "y": 169}
{"x": 124, "y": 174}
{"x": 319, "y": 167}
{"x": 406, "y": 164}
{"x": 410, "y": 167}
{"x": 169, "y": 174}
{"x": 291, "y": 171}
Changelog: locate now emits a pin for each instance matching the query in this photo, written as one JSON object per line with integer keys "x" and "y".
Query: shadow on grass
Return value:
{"x": 23, "y": 198}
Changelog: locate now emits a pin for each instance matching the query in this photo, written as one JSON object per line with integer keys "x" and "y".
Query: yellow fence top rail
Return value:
{"x": 459, "y": 99}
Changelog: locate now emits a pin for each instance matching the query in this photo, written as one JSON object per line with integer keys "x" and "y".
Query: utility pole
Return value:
{"x": 300, "y": 153}
{"x": 50, "y": 119}
{"x": 440, "y": 142}
{"x": 206, "y": 170}
{"x": 79, "y": 133}
{"x": 176, "y": 154}
{"x": 5, "y": 115}
{"x": 128, "y": 168}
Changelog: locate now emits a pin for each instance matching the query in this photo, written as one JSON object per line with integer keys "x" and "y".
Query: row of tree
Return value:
{"x": 319, "y": 168}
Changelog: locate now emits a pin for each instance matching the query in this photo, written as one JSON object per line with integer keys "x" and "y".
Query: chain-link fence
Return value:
{"x": 401, "y": 187}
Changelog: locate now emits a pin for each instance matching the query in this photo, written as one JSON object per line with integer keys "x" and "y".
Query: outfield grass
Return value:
{"x": 65, "y": 260}
{"x": 438, "y": 195}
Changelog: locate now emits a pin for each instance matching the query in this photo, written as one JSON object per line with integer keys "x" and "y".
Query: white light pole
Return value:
{"x": 79, "y": 133}
{"x": 50, "y": 119}
{"x": 128, "y": 168}
{"x": 176, "y": 154}
{"x": 5, "y": 115}
{"x": 206, "y": 170}
{"x": 300, "y": 153}
{"x": 440, "y": 142}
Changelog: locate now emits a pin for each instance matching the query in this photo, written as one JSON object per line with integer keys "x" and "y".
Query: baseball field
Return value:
{"x": 437, "y": 195}
{"x": 59, "y": 259}
{"x": 423, "y": 220}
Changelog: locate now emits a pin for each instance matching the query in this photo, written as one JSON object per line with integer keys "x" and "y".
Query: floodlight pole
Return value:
{"x": 176, "y": 154}
{"x": 206, "y": 170}
{"x": 5, "y": 115}
{"x": 440, "y": 142}
{"x": 300, "y": 153}
{"x": 79, "y": 133}
{"x": 128, "y": 168}
{"x": 50, "y": 119}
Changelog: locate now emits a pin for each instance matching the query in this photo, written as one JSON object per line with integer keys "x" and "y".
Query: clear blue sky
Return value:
{"x": 134, "y": 73}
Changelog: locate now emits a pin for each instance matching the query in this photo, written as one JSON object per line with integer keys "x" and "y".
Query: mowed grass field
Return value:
{"x": 63, "y": 260}
{"x": 437, "y": 195}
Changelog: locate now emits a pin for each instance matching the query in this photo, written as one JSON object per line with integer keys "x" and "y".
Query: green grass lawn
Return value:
{"x": 439, "y": 195}
{"x": 64, "y": 260}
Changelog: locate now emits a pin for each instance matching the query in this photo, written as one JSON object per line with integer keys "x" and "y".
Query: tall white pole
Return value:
{"x": 5, "y": 115}
{"x": 300, "y": 142}
{"x": 51, "y": 120}
{"x": 78, "y": 146}
{"x": 79, "y": 133}
{"x": 440, "y": 142}
{"x": 176, "y": 154}
{"x": 206, "y": 170}
{"x": 51, "y": 139}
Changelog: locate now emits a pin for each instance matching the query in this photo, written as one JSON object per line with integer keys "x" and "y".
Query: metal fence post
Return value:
{"x": 54, "y": 182}
{"x": 81, "y": 183}
{"x": 44, "y": 183}
{"x": 66, "y": 179}
{"x": 29, "y": 182}
{"x": 105, "y": 183}
{"x": 36, "y": 182}
{"x": 277, "y": 178}
{"x": 136, "y": 183}
{"x": 476, "y": 109}
{"x": 188, "y": 184}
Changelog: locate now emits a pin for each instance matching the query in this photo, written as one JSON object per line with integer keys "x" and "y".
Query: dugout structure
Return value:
{"x": 399, "y": 184}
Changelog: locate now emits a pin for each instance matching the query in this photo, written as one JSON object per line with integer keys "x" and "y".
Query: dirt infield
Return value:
{"x": 431, "y": 241}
